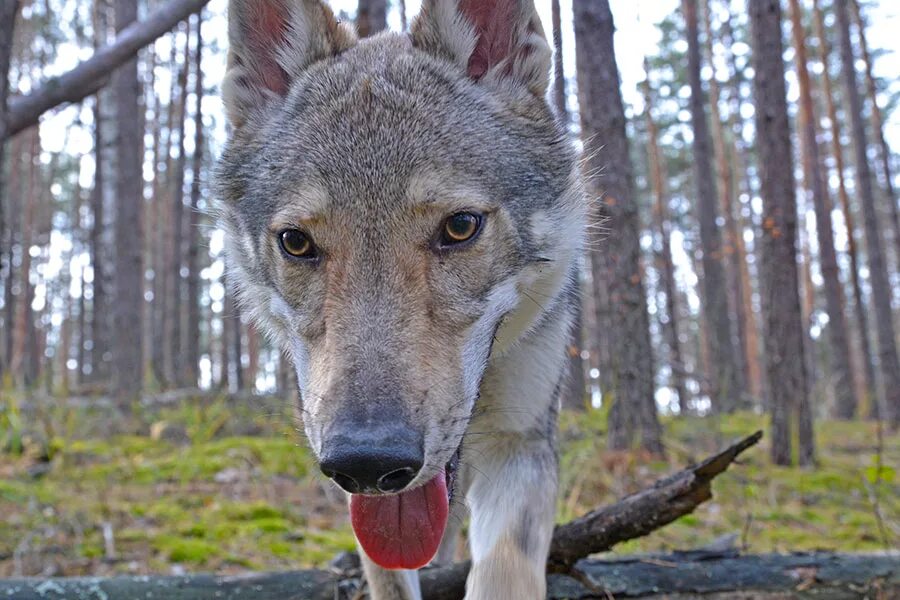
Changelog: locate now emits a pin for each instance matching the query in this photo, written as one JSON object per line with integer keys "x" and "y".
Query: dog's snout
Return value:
{"x": 371, "y": 464}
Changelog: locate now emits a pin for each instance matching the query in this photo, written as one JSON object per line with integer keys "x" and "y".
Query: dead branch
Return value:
{"x": 92, "y": 74}
{"x": 639, "y": 514}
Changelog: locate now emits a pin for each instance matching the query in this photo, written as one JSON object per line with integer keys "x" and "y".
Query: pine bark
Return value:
{"x": 841, "y": 374}
{"x": 9, "y": 9}
{"x": 576, "y": 389}
{"x": 726, "y": 387}
{"x": 884, "y": 151}
{"x": 23, "y": 319}
{"x": 155, "y": 233}
{"x": 225, "y": 337}
{"x": 617, "y": 259}
{"x": 785, "y": 359}
{"x": 177, "y": 251}
{"x": 878, "y": 277}
{"x": 100, "y": 199}
{"x": 129, "y": 273}
{"x": 859, "y": 306}
{"x": 371, "y": 17}
{"x": 666, "y": 264}
{"x": 192, "y": 355}
{"x": 165, "y": 235}
{"x": 13, "y": 245}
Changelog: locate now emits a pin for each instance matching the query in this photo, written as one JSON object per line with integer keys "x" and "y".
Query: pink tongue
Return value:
{"x": 402, "y": 531}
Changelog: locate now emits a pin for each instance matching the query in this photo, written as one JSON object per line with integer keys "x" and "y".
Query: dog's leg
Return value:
{"x": 446, "y": 553}
{"x": 513, "y": 501}
{"x": 390, "y": 585}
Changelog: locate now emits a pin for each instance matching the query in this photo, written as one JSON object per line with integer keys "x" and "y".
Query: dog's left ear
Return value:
{"x": 498, "y": 42}
{"x": 271, "y": 42}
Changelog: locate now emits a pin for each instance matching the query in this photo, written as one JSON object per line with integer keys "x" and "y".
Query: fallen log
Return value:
{"x": 684, "y": 576}
{"x": 92, "y": 74}
{"x": 599, "y": 530}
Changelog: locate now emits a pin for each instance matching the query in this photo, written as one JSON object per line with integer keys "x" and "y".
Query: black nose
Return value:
{"x": 371, "y": 463}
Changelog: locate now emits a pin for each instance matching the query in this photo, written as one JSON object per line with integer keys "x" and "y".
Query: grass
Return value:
{"x": 236, "y": 490}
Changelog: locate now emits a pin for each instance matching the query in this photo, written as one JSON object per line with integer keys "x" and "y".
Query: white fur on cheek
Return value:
{"x": 477, "y": 345}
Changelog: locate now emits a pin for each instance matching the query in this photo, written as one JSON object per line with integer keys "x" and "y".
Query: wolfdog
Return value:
{"x": 404, "y": 216}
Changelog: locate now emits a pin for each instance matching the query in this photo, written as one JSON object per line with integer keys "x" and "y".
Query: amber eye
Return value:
{"x": 460, "y": 227}
{"x": 297, "y": 244}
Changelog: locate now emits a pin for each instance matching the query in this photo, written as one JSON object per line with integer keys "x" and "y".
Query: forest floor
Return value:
{"x": 216, "y": 485}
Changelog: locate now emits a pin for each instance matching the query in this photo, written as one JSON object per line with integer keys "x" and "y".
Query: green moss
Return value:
{"x": 271, "y": 525}
{"x": 166, "y": 505}
{"x": 186, "y": 550}
{"x": 251, "y": 511}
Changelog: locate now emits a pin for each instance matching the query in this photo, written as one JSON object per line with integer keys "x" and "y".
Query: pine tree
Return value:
{"x": 192, "y": 354}
{"x": 127, "y": 344}
{"x": 816, "y": 183}
{"x": 371, "y": 17}
{"x": 726, "y": 388}
{"x": 616, "y": 265}
{"x": 663, "y": 226}
{"x": 881, "y": 289}
{"x": 884, "y": 151}
{"x": 785, "y": 358}
{"x": 859, "y": 307}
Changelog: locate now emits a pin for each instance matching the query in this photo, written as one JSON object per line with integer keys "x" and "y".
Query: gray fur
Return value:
{"x": 371, "y": 146}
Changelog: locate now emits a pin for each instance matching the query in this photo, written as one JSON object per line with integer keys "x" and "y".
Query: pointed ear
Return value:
{"x": 271, "y": 43}
{"x": 499, "y": 42}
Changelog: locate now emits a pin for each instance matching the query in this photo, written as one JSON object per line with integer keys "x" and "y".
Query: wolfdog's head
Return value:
{"x": 388, "y": 204}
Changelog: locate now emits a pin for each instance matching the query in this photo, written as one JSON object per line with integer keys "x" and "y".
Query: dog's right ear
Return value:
{"x": 271, "y": 42}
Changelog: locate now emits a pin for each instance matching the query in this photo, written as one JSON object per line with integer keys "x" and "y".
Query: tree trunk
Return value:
{"x": 841, "y": 375}
{"x": 155, "y": 234}
{"x": 878, "y": 131}
{"x": 785, "y": 359}
{"x": 13, "y": 244}
{"x": 403, "y": 20}
{"x": 164, "y": 234}
{"x": 733, "y": 235}
{"x": 23, "y": 320}
{"x": 129, "y": 277}
{"x": 667, "y": 265}
{"x": 575, "y": 393}
{"x": 559, "y": 75}
{"x": 177, "y": 253}
{"x": 9, "y": 9}
{"x": 617, "y": 260}
{"x": 371, "y": 17}
{"x": 104, "y": 155}
{"x": 81, "y": 353}
{"x": 862, "y": 320}
{"x": 224, "y": 338}
{"x": 192, "y": 357}
{"x": 253, "y": 349}
{"x": 881, "y": 288}
{"x": 726, "y": 389}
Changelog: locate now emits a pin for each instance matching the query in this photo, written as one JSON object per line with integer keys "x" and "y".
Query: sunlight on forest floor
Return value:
{"x": 225, "y": 487}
